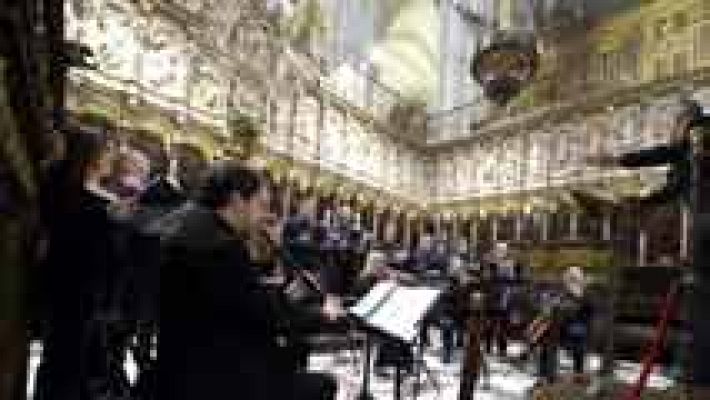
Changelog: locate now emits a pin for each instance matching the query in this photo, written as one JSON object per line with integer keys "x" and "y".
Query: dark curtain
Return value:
{"x": 32, "y": 79}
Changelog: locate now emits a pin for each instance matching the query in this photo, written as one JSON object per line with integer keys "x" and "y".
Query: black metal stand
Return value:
{"x": 471, "y": 364}
{"x": 398, "y": 380}
{"x": 365, "y": 385}
{"x": 419, "y": 365}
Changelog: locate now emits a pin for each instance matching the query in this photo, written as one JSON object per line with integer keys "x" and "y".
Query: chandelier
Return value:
{"x": 508, "y": 60}
{"x": 505, "y": 67}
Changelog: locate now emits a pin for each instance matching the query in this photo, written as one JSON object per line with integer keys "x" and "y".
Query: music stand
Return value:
{"x": 395, "y": 312}
{"x": 365, "y": 385}
{"x": 420, "y": 363}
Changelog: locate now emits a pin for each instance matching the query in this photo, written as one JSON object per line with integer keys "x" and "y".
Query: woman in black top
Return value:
{"x": 83, "y": 262}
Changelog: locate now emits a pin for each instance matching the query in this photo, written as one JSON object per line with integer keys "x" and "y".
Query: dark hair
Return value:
{"x": 191, "y": 163}
{"x": 83, "y": 147}
{"x": 223, "y": 179}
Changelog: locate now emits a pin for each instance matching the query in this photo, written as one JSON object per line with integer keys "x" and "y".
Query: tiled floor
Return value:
{"x": 503, "y": 383}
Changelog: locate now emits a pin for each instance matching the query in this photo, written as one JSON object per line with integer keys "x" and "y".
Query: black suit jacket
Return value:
{"x": 218, "y": 326}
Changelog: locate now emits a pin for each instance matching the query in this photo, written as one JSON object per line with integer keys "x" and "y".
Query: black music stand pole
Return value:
{"x": 365, "y": 386}
{"x": 419, "y": 357}
{"x": 421, "y": 366}
{"x": 398, "y": 379}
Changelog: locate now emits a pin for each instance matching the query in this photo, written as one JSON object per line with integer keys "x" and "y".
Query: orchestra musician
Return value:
{"x": 221, "y": 330}
{"x": 563, "y": 321}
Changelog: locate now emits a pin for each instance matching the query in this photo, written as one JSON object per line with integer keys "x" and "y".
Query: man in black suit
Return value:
{"x": 221, "y": 332}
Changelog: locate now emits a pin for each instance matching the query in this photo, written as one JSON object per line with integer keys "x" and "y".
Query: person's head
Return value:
{"x": 89, "y": 155}
{"x": 463, "y": 246}
{"x": 390, "y": 232}
{"x": 132, "y": 172}
{"x": 88, "y": 159}
{"x": 309, "y": 206}
{"x": 690, "y": 115}
{"x": 344, "y": 210}
{"x": 133, "y": 163}
{"x": 501, "y": 250}
{"x": 240, "y": 195}
{"x": 574, "y": 280}
{"x": 441, "y": 247}
{"x": 425, "y": 243}
{"x": 665, "y": 260}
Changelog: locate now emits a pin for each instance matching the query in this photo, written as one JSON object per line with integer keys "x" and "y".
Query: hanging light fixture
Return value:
{"x": 505, "y": 67}
{"x": 507, "y": 56}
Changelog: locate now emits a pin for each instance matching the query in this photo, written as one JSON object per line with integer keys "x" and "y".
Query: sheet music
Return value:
{"x": 396, "y": 310}
{"x": 377, "y": 295}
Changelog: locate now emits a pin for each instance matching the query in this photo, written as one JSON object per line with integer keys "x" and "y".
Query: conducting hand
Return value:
{"x": 603, "y": 160}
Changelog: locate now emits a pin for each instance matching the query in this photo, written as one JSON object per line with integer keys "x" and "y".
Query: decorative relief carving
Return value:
{"x": 206, "y": 87}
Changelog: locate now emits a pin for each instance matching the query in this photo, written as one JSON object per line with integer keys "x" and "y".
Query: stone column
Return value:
{"x": 375, "y": 223}
{"x": 574, "y": 226}
{"x": 684, "y": 232}
{"x": 505, "y": 14}
{"x": 494, "y": 228}
{"x": 545, "y": 235}
{"x": 474, "y": 231}
{"x": 455, "y": 228}
{"x": 643, "y": 247}
{"x": 287, "y": 197}
{"x": 407, "y": 231}
{"x": 437, "y": 225}
{"x": 519, "y": 226}
{"x": 606, "y": 227}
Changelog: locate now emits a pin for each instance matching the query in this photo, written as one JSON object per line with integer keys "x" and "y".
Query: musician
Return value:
{"x": 221, "y": 331}
{"x": 387, "y": 260}
{"x": 443, "y": 267}
{"x": 299, "y": 235}
{"x": 544, "y": 331}
{"x": 566, "y": 313}
{"x": 499, "y": 276}
{"x": 311, "y": 282}
{"x": 301, "y": 243}
{"x": 577, "y": 314}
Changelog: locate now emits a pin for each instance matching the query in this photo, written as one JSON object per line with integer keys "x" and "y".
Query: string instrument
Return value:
{"x": 534, "y": 334}
{"x": 261, "y": 243}
{"x": 537, "y": 330}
